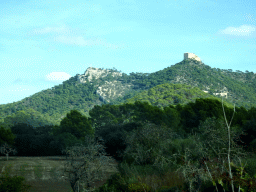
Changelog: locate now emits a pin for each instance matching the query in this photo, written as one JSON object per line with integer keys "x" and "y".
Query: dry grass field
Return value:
{"x": 45, "y": 174}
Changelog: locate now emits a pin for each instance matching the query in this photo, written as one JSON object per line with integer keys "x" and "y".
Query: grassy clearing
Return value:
{"x": 43, "y": 173}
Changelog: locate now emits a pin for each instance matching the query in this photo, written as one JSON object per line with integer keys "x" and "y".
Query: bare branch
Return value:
{"x": 85, "y": 164}
{"x": 6, "y": 149}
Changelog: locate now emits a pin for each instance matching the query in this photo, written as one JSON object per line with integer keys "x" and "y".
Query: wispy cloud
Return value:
{"x": 249, "y": 17}
{"x": 20, "y": 81}
{"x": 69, "y": 36}
{"x": 58, "y": 76}
{"x": 53, "y": 77}
{"x": 243, "y": 30}
{"x": 80, "y": 41}
{"x": 62, "y": 30}
{"x": 75, "y": 40}
{"x": 18, "y": 89}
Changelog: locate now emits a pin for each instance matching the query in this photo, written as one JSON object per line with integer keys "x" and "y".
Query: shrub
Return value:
{"x": 14, "y": 184}
{"x": 168, "y": 189}
{"x": 114, "y": 183}
{"x": 138, "y": 187}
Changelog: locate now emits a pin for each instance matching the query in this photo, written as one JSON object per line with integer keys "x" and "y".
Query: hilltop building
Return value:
{"x": 192, "y": 56}
{"x": 221, "y": 94}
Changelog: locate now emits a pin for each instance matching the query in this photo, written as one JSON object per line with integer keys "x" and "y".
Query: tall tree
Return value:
{"x": 23, "y": 128}
{"x": 76, "y": 124}
{"x": 6, "y": 136}
{"x": 104, "y": 115}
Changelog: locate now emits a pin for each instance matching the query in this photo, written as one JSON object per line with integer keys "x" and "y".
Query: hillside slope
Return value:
{"x": 100, "y": 86}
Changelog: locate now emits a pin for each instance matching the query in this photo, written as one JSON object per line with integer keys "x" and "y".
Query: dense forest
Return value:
{"x": 120, "y": 127}
{"x": 184, "y": 120}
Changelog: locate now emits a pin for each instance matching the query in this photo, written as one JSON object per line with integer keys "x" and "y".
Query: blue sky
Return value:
{"x": 44, "y": 42}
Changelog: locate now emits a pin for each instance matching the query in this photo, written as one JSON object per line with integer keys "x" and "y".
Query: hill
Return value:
{"x": 177, "y": 84}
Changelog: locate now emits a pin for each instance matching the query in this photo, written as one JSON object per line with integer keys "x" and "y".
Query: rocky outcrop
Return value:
{"x": 95, "y": 72}
{"x": 108, "y": 90}
{"x": 113, "y": 90}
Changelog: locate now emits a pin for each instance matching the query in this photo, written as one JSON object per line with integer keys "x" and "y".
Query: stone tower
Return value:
{"x": 192, "y": 56}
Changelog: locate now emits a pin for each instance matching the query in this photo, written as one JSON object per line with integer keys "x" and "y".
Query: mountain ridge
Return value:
{"x": 105, "y": 88}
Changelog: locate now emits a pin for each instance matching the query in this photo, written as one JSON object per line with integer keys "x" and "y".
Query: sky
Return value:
{"x": 45, "y": 42}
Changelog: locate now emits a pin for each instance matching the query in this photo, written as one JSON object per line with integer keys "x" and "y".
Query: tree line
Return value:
{"x": 119, "y": 128}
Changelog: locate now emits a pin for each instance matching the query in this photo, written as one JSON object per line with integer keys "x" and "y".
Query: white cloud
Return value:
{"x": 105, "y": 28}
{"x": 57, "y": 76}
{"x": 243, "y": 30}
{"x": 62, "y": 30}
{"x": 68, "y": 36}
{"x": 78, "y": 40}
{"x": 18, "y": 89}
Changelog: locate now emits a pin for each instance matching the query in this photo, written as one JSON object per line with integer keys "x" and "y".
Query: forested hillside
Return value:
{"x": 161, "y": 115}
{"x": 159, "y": 89}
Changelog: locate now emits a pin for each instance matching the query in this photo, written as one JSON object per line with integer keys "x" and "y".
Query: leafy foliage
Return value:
{"x": 76, "y": 124}
{"x": 114, "y": 137}
{"x": 14, "y": 184}
{"x": 6, "y": 136}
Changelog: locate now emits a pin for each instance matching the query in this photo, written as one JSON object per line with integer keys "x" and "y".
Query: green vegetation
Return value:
{"x": 51, "y": 105}
{"x": 158, "y": 131}
{"x": 140, "y": 135}
{"x": 14, "y": 184}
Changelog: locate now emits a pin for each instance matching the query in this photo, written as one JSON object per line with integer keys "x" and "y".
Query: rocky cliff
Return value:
{"x": 95, "y": 72}
{"x": 109, "y": 89}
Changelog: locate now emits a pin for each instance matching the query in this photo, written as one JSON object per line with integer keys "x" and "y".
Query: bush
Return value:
{"x": 114, "y": 137}
{"x": 144, "y": 145}
{"x": 251, "y": 167}
{"x": 138, "y": 187}
{"x": 168, "y": 189}
{"x": 252, "y": 146}
{"x": 114, "y": 183}
{"x": 14, "y": 184}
